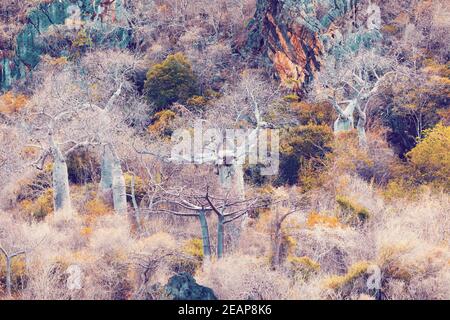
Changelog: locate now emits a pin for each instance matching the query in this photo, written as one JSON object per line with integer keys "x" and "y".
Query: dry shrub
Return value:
{"x": 333, "y": 248}
{"x": 413, "y": 248}
{"x": 111, "y": 235}
{"x": 244, "y": 278}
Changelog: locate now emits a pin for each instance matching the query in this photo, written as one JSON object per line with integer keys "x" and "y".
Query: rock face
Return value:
{"x": 27, "y": 50}
{"x": 184, "y": 287}
{"x": 291, "y": 35}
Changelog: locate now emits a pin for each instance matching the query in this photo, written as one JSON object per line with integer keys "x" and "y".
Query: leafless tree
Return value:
{"x": 354, "y": 81}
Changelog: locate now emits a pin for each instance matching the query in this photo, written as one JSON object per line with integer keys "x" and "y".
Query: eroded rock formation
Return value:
{"x": 291, "y": 35}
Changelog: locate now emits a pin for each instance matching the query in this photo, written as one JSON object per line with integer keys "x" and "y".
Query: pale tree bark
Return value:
{"x": 107, "y": 165}
{"x": 220, "y": 235}
{"x": 361, "y": 126}
{"x": 61, "y": 192}
{"x": 119, "y": 189}
{"x": 232, "y": 177}
{"x": 345, "y": 121}
{"x": 205, "y": 234}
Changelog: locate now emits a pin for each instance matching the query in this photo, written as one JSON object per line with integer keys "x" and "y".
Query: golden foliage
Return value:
{"x": 355, "y": 271}
{"x": 162, "y": 121}
{"x": 11, "y": 102}
{"x": 94, "y": 209}
{"x": 430, "y": 159}
{"x": 303, "y": 267}
{"x": 353, "y": 211}
{"x": 316, "y": 219}
{"x": 194, "y": 247}
{"x": 39, "y": 208}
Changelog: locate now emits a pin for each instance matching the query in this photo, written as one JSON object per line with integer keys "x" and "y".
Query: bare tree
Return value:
{"x": 56, "y": 124}
{"x": 197, "y": 205}
{"x": 354, "y": 81}
{"x": 9, "y": 256}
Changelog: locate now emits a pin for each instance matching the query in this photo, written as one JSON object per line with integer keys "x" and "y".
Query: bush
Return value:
{"x": 430, "y": 159}
{"x": 303, "y": 149}
{"x": 321, "y": 113}
{"x": 170, "y": 81}
{"x": 353, "y": 212}
{"x": 302, "y": 268}
{"x": 18, "y": 272}
{"x": 162, "y": 123}
{"x": 82, "y": 166}
{"x": 317, "y": 219}
{"x": 244, "y": 278}
{"x": 40, "y": 207}
{"x": 347, "y": 282}
{"x": 10, "y": 102}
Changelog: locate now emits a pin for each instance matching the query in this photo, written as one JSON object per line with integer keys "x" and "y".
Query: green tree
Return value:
{"x": 170, "y": 81}
{"x": 303, "y": 150}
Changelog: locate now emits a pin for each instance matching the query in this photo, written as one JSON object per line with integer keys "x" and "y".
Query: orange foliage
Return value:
{"x": 317, "y": 219}
{"x": 11, "y": 102}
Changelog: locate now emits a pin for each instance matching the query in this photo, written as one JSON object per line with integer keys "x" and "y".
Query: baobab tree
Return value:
{"x": 73, "y": 109}
{"x": 354, "y": 80}
{"x": 242, "y": 107}
{"x": 56, "y": 123}
{"x": 107, "y": 77}
{"x": 9, "y": 256}
{"x": 199, "y": 205}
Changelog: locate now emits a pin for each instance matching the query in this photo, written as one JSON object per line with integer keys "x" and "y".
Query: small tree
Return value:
{"x": 170, "y": 81}
{"x": 303, "y": 149}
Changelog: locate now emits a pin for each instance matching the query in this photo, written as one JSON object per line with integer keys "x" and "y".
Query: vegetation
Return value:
{"x": 170, "y": 81}
{"x": 160, "y": 144}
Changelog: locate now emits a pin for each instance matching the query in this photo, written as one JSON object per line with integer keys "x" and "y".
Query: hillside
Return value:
{"x": 243, "y": 149}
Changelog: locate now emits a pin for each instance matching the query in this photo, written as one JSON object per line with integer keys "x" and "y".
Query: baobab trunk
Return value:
{"x": 277, "y": 241}
{"x": 345, "y": 121}
{"x": 361, "y": 127}
{"x": 220, "y": 235}
{"x": 106, "y": 170}
{"x": 119, "y": 189}
{"x": 232, "y": 177}
{"x": 61, "y": 191}
{"x": 8, "y": 276}
{"x": 205, "y": 234}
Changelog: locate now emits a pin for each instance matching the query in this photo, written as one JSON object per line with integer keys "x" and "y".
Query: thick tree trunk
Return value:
{"x": 220, "y": 236}
{"x": 345, "y": 121}
{"x": 232, "y": 177}
{"x": 277, "y": 239}
{"x": 361, "y": 127}
{"x": 61, "y": 191}
{"x": 106, "y": 170}
{"x": 205, "y": 234}
{"x": 119, "y": 189}
{"x": 8, "y": 276}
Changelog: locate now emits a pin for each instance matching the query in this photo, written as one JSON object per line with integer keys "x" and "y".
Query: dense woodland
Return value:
{"x": 93, "y": 206}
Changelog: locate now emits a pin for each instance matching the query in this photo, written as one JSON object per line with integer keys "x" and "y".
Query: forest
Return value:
{"x": 226, "y": 149}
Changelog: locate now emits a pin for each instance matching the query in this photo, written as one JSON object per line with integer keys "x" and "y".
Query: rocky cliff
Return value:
{"x": 292, "y": 35}
{"x": 26, "y": 50}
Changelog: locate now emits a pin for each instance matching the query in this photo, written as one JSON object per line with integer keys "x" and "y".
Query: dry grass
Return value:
{"x": 408, "y": 241}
